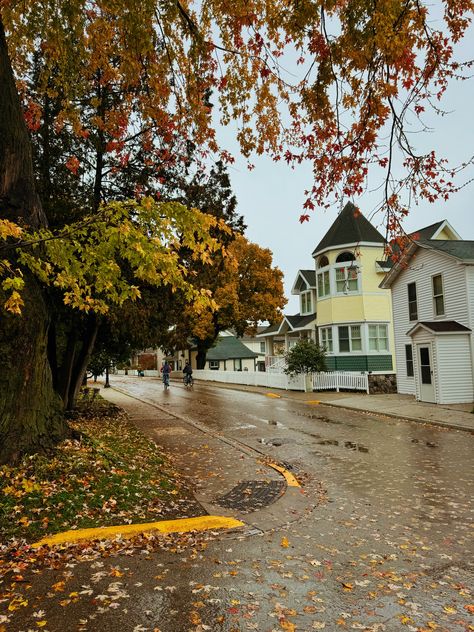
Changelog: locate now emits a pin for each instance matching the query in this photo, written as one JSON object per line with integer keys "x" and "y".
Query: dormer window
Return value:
{"x": 306, "y": 303}
{"x": 347, "y": 273}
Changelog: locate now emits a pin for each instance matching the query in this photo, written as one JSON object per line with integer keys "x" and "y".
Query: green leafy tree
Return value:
{"x": 306, "y": 356}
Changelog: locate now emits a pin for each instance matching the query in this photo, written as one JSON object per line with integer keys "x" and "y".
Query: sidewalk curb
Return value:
{"x": 180, "y": 525}
{"x": 430, "y": 422}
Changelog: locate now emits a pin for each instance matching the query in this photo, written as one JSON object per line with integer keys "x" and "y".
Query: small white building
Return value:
{"x": 433, "y": 314}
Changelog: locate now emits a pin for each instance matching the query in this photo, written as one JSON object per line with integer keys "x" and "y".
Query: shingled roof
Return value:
{"x": 350, "y": 227}
{"x": 228, "y": 348}
{"x": 462, "y": 249}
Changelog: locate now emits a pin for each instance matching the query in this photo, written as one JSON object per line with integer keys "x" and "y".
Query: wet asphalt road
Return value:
{"x": 385, "y": 542}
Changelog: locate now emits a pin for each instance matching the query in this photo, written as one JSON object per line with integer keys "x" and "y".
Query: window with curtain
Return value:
{"x": 326, "y": 338}
{"x": 378, "y": 338}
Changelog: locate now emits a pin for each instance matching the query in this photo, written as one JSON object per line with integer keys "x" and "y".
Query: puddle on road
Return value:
{"x": 244, "y": 427}
{"x": 350, "y": 445}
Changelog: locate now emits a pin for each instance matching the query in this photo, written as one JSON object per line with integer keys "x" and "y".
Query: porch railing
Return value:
{"x": 331, "y": 380}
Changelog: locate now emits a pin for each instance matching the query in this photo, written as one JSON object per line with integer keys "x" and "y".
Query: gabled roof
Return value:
{"x": 350, "y": 227}
{"x": 228, "y": 348}
{"x": 271, "y": 329}
{"x": 433, "y": 230}
{"x": 308, "y": 277}
{"x": 461, "y": 250}
{"x": 293, "y": 323}
{"x": 299, "y": 322}
{"x": 440, "y": 327}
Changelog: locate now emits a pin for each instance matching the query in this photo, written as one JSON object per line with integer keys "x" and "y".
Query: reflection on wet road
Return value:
{"x": 386, "y": 545}
{"x": 399, "y": 501}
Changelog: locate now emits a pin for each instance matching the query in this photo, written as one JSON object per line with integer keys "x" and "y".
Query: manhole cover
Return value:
{"x": 251, "y": 495}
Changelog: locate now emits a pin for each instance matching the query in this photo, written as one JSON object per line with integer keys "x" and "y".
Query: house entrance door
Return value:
{"x": 425, "y": 374}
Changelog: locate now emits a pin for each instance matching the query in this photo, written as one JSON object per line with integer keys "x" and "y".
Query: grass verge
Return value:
{"x": 112, "y": 475}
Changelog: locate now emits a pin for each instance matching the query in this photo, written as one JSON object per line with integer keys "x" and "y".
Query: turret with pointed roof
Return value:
{"x": 349, "y": 228}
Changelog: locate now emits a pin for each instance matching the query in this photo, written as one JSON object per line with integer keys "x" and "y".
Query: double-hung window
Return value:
{"x": 323, "y": 284}
{"x": 378, "y": 338}
{"x": 306, "y": 303}
{"x": 349, "y": 338}
{"x": 326, "y": 338}
{"x": 347, "y": 279}
{"x": 214, "y": 365}
{"x": 412, "y": 302}
{"x": 409, "y": 360}
{"x": 438, "y": 295}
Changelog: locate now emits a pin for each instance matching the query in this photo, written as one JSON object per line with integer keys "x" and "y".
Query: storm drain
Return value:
{"x": 251, "y": 495}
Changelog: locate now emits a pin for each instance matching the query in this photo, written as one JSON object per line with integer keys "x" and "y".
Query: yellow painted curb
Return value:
{"x": 273, "y": 395}
{"x": 290, "y": 479}
{"x": 313, "y": 401}
{"x": 183, "y": 525}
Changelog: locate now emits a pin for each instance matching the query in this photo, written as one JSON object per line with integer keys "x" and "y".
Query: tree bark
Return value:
{"x": 83, "y": 357}
{"x": 30, "y": 410}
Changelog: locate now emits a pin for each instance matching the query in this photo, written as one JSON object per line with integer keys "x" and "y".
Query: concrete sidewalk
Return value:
{"x": 456, "y": 416}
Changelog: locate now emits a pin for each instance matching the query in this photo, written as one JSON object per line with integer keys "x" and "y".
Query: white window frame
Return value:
{"x": 214, "y": 365}
{"x": 378, "y": 338}
{"x": 413, "y": 302}
{"x": 306, "y": 303}
{"x": 354, "y": 274}
{"x": 325, "y": 339}
{"x": 350, "y": 327}
{"x": 437, "y": 296}
{"x": 323, "y": 282}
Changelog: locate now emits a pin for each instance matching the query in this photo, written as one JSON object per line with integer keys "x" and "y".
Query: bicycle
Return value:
{"x": 188, "y": 380}
{"x": 166, "y": 381}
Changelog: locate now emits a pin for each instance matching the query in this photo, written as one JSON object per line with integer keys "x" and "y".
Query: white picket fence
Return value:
{"x": 331, "y": 380}
{"x": 252, "y": 378}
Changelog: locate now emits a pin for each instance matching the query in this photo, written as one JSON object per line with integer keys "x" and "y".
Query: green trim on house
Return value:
{"x": 359, "y": 363}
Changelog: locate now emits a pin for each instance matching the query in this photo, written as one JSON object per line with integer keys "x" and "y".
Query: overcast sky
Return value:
{"x": 271, "y": 196}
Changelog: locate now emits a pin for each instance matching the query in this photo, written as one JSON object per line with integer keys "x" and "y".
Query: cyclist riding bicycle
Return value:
{"x": 166, "y": 370}
{"x": 188, "y": 374}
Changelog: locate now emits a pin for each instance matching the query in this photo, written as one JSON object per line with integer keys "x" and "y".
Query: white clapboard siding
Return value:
{"x": 454, "y": 369}
{"x": 421, "y": 269}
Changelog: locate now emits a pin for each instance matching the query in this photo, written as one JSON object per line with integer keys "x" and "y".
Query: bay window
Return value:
{"x": 323, "y": 284}
{"x": 378, "y": 338}
{"x": 350, "y": 338}
{"x": 326, "y": 338}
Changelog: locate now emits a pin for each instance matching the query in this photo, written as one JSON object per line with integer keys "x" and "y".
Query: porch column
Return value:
{"x": 269, "y": 347}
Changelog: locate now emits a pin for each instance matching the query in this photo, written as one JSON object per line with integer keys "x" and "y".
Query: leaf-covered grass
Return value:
{"x": 112, "y": 475}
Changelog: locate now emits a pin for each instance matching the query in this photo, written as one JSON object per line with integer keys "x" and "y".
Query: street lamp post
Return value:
{"x": 107, "y": 383}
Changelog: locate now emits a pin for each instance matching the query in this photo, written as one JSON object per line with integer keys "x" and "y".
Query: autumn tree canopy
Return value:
{"x": 336, "y": 83}
{"x": 247, "y": 289}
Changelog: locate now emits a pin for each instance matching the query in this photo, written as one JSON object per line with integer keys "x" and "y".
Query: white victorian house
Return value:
{"x": 433, "y": 314}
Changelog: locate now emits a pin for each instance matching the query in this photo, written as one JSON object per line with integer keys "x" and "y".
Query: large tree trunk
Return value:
{"x": 30, "y": 411}
{"x": 83, "y": 358}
